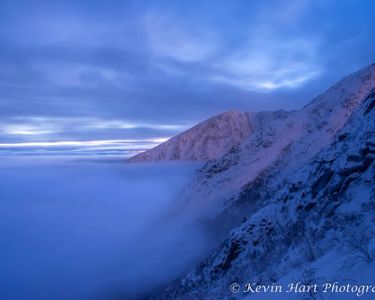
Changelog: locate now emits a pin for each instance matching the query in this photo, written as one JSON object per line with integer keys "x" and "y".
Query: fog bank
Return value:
{"x": 92, "y": 230}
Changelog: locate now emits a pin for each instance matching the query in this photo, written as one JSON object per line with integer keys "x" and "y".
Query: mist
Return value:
{"x": 85, "y": 229}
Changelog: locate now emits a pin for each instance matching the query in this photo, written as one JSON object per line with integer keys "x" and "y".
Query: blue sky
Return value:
{"x": 92, "y": 70}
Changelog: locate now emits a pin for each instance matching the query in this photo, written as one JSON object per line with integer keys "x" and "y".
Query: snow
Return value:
{"x": 278, "y": 138}
{"x": 207, "y": 140}
{"x": 306, "y": 194}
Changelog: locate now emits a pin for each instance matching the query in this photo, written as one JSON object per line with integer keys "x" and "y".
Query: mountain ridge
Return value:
{"x": 207, "y": 140}
{"x": 296, "y": 135}
{"x": 303, "y": 196}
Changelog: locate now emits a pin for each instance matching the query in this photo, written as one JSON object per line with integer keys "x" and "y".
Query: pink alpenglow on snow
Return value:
{"x": 210, "y": 139}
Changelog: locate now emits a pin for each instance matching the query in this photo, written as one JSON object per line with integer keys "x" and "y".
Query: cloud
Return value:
{"x": 168, "y": 39}
{"x": 165, "y": 64}
{"x": 72, "y": 74}
{"x": 93, "y": 230}
{"x": 130, "y": 125}
{"x": 268, "y": 59}
{"x": 55, "y": 130}
{"x": 274, "y": 54}
{"x": 270, "y": 64}
{"x": 127, "y": 144}
{"x": 16, "y": 129}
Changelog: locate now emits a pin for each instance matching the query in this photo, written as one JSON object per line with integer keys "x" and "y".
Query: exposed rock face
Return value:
{"x": 305, "y": 182}
{"x": 208, "y": 140}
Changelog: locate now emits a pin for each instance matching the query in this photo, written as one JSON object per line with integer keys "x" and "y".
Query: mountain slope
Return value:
{"x": 283, "y": 140}
{"x": 205, "y": 141}
{"x": 322, "y": 208}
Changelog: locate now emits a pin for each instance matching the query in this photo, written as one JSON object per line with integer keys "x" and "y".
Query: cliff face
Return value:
{"x": 305, "y": 183}
{"x": 208, "y": 140}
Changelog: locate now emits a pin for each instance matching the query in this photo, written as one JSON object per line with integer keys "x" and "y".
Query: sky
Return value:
{"x": 94, "y": 70}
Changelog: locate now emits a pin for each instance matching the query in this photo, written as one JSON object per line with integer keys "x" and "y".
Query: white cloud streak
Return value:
{"x": 136, "y": 143}
{"x": 45, "y": 126}
{"x": 270, "y": 58}
{"x": 269, "y": 65}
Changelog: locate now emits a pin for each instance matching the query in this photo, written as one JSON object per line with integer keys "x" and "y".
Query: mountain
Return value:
{"x": 283, "y": 140}
{"x": 299, "y": 195}
{"x": 205, "y": 141}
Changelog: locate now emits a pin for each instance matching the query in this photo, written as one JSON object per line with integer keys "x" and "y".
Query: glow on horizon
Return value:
{"x": 16, "y": 129}
{"x": 42, "y": 126}
{"x": 152, "y": 141}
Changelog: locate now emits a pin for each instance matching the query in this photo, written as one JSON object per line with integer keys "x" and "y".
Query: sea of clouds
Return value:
{"x": 92, "y": 229}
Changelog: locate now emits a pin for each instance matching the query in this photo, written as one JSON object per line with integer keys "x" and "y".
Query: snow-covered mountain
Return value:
{"x": 304, "y": 182}
{"x": 208, "y": 140}
{"x": 284, "y": 140}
